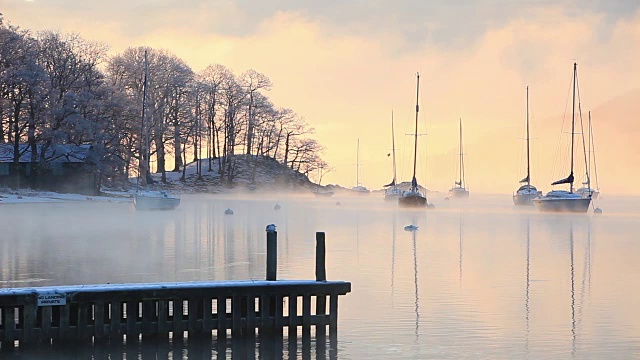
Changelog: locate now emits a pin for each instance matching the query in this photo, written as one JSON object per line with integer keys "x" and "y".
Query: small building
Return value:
{"x": 64, "y": 168}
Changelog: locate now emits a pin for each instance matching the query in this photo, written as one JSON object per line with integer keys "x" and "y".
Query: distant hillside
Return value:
{"x": 255, "y": 173}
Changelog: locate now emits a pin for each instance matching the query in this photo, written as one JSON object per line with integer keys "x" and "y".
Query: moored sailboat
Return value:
{"x": 459, "y": 190}
{"x": 359, "y": 188}
{"x": 562, "y": 200}
{"x": 526, "y": 193}
{"x": 391, "y": 191}
{"x": 413, "y": 197}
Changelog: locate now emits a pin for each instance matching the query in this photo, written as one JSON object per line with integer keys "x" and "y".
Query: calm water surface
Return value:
{"x": 479, "y": 279}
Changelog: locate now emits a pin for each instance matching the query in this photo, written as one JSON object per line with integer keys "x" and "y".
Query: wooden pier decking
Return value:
{"x": 42, "y": 315}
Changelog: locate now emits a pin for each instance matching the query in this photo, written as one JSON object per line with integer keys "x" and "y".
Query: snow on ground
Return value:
{"x": 31, "y": 196}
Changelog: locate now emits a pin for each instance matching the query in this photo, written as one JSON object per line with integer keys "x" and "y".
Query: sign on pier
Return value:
{"x": 52, "y": 299}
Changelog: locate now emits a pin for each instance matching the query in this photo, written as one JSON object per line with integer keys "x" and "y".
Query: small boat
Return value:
{"x": 391, "y": 191}
{"x": 322, "y": 192}
{"x": 410, "y": 228}
{"x": 526, "y": 193}
{"x": 562, "y": 200}
{"x": 228, "y": 212}
{"x": 413, "y": 197}
{"x": 359, "y": 189}
{"x": 459, "y": 190}
{"x": 277, "y": 207}
{"x": 155, "y": 200}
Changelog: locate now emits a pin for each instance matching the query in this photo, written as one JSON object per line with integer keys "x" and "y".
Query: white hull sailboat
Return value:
{"x": 391, "y": 191}
{"x": 526, "y": 193}
{"x": 413, "y": 197}
{"x": 561, "y": 200}
{"x": 359, "y": 189}
{"x": 149, "y": 199}
{"x": 459, "y": 190}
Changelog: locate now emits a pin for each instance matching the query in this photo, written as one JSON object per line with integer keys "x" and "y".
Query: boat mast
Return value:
{"x": 528, "y": 157}
{"x": 573, "y": 121}
{"x": 393, "y": 149}
{"x": 461, "y": 158}
{"x": 589, "y": 163}
{"x": 414, "y": 182}
{"x": 358, "y": 164}
{"x": 593, "y": 145}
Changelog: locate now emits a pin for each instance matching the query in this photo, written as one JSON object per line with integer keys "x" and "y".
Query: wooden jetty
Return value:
{"x": 42, "y": 315}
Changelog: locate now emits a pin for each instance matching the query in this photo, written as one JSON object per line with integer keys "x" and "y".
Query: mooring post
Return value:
{"x": 321, "y": 271}
{"x": 272, "y": 252}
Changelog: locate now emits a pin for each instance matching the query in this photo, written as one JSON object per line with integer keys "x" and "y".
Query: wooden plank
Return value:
{"x": 116, "y": 316}
{"x": 293, "y": 314}
{"x": 65, "y": 331}
{"x": 207, "y": 316}
{"x": 236, "y": 315}
{"x": 45, "y": 324}
{"x": 28, "y": 322}
{"x": 251, "y": 316}
{"x": 163, "y": 316}
{"x": 148, "y": 314}
{"x": 132, "y": 315}
{"x": 222, "y": 316}
{"x": 178, "y": 309}
{"x": 99, "y": 315}
{"x": 83, "y": 321}
{"x": 321, "y": 310}
{"x": 333, "y": 312}
{"x": 9, "y": 322}
{"x": 306, "y": 314}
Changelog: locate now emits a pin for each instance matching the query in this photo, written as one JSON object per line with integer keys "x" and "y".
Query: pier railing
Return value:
{"x": 95, "y": 312}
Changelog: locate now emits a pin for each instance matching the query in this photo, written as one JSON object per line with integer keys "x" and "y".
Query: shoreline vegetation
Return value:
{"x": 62, "y": 91}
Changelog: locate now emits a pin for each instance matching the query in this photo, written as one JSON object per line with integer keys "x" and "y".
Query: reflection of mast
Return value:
{"x": 526, "y": 299}
{"x": 415, "y": 277}
{"x": 573, "y": 297}
{"x": 460, "y": 233}
{"x": 393, "y": 256}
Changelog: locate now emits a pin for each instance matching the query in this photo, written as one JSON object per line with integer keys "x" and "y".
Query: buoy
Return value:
{"x": 431, "y": 206}
{"x": 447, "y": 198}
{"x": 597, "y": 211}
{"x": 338, "y": 203}
{"x": 277, "y": 207}
{"x": 228, "y": 212}
{"x": 410, "y": 228}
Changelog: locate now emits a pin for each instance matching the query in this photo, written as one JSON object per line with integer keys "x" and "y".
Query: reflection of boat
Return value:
{"x": 361, "y": 190}
{"x": 458, "y": 190}
{"x": 561, "y": 200}
{"x": 413, "y": 197}
{"x": 149, "y": 199}
{"x": 527, "y": 192}
{"x": 587, "y": 190}
{"x": 391, "y": 191}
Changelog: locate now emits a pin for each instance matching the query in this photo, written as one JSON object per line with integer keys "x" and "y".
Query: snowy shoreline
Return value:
{"x": 28, "y": 196}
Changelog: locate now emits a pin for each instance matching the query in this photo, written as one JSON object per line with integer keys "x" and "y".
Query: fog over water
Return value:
{"x": 479, "y": 279}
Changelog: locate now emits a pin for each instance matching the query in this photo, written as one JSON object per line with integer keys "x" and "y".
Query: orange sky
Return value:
{"x": 344, "y": 71}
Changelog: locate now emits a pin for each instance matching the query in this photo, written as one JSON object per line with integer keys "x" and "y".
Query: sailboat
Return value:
{"x": 144, "y": 199}
{"x": 361, "y": 190}
{"x": 562, "y": 200}
{"x": 586, "y": 190}
{"x": 458, "y": 190}
{"x": 527, "y": 192}
{"x": 392, "y": 192}
{"x": 413, "y": 197}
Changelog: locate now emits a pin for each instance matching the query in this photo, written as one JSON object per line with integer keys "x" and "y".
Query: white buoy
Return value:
{"x": 597, "y": 211}
{"x": 431, "y": 206}
{"x": 228, "y": 212}
{"x": 277, "y": 207}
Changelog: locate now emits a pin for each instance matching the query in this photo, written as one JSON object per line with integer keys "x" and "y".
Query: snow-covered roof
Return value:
{"x": 69, "y": 153}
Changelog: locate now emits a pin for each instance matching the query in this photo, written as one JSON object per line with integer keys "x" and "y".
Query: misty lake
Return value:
{"x": 479, "y": 279}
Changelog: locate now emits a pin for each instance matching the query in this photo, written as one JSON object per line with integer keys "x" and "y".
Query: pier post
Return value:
{"x": 272, "y": 252}
{"x": 321, "y": 271}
